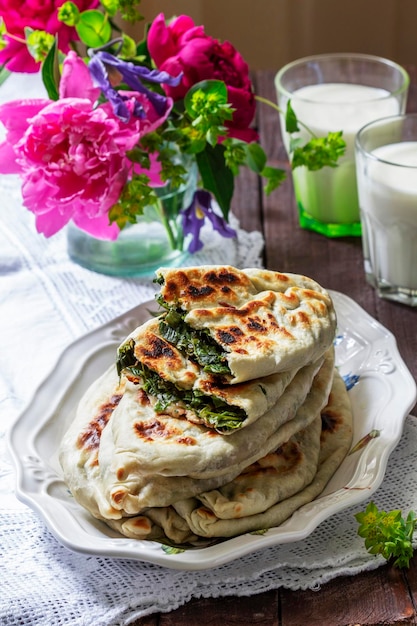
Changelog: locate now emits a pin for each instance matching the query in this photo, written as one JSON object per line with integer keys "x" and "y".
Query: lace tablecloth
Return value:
{"x": 46, "y": 303}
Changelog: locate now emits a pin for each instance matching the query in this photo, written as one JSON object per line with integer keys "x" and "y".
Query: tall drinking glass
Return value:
{"x": 336, "y": 92}
{"x": 386, "y": 158}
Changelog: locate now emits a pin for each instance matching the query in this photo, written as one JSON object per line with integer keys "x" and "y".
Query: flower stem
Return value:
{"x": 277, "y": 108}
{"x": 173, "y": 242}
{"x": 270, "y": 103}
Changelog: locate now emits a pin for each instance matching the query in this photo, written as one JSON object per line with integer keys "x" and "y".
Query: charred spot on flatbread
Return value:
{"x": 330, "y": 421}
{"x": 212, "y": 285}
{"x": 277, "y": 320}
{"x": 89, "y": 438}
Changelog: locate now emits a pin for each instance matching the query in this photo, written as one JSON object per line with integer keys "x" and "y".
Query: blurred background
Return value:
{"x": 270, "y": 33}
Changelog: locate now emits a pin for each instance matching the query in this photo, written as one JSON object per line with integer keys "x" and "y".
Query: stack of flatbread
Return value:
{"x": 221, "y": 415}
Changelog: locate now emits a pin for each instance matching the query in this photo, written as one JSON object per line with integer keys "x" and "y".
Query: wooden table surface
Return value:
{"x": 386, "y": 595}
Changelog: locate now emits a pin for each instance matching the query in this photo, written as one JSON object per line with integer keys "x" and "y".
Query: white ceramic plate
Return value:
{"x": 382, "y": 394}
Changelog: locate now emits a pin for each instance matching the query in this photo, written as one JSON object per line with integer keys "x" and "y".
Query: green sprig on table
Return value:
{"x": 388, "y": 533}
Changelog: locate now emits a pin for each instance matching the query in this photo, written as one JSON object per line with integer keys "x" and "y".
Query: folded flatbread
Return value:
{"x": 274, "y": 477}
{"x": 119, "y": 457}
{"x": 79, "y": 448}
{"x": 241, "y": 324}
{"x": 270, "y": 491}
{"x": 211, "y": 422}
{"x": 336, "y": 439}
{"x": 177, "y": 386}
{"x": 143, "y": 442}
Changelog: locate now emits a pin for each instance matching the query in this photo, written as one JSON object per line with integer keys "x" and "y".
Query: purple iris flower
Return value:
{"x": 193, "y": 219}
{"x": 132, "y": 76}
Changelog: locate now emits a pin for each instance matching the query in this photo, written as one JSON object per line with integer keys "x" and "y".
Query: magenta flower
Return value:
{"x": 71, "y": 154}
{"x": 194, "y": 216}
{"x": 37, "y": 15}
{"x": 182, "y": 47}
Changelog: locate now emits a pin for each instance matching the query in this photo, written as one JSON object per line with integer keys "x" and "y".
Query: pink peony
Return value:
{"x": 71, "y": 154}
{"x": 183, "y": 47}
{"x": 75, "y": 81}
{"x": 38, "y": 15}
{"x": 73, "y": 164}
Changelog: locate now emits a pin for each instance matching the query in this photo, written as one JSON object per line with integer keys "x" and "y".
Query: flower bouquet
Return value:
{"x": 123, "y": 121}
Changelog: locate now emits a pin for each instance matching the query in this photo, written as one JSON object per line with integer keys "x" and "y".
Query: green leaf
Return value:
{"x": 129, "y": 10}
{"x": 235, "y": 153}
{"x": 110, "y": 6}
{"x": 135, "y": 197}
{"x": 3, "y": 40}
{"x": 274, "y": 178}
{"x": 38, "y": 42}
{"x": 93, "y": 28}
{"x": 207, "y": 108}
{"x": 125, "y": 355}
{"x": 213, "y": 411}
{"x": 50, "y": 73}
{"x": 172, "y": 549}
{"x": 69, "y": 13}
{"x": 206, "y": 90}
{"x": 216, "y": 176}
{"x": 128, "y": 50}
{"x": 4, "y": 74}
{"x": 291, "y": 122}
{"x": 387, "y": 533}
{"x": 320, "y": 152}
{"x": 255, "y": 157}
{"x": 317, "y": 153}
{"x": 295, "y": 142}
{"x": 212, "y": 136}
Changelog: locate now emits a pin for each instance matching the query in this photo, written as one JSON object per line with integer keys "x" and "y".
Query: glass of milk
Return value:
{"x": 386, "y": 163}
{"x": 336, "y": 92}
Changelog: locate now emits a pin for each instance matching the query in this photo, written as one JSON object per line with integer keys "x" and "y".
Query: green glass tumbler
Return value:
{"x": 336, "y": 92}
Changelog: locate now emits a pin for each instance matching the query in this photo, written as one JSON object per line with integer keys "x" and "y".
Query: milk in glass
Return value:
{"x": 388, "y": 202}
{"x": 330, "y": 194}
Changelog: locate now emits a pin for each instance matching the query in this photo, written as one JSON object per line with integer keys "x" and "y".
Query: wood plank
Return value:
{"x": 258, "y": 610}
{"x": 247, "y": 197}
{"x": 246, "y": 201}
{"x": 411, "y": 577}
{"x": 412, "y": 92}
{"x": 367, "y": 599}
{"x": 148, "y": 620}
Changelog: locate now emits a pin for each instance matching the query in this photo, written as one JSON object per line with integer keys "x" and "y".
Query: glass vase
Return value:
{"x": 155, "y": 240}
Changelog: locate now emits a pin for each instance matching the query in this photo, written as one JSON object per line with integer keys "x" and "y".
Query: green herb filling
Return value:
{"x": 194, "y": 344}
{"x": 213, "y": 411}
